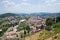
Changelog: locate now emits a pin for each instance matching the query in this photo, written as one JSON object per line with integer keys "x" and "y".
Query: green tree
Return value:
{"x": 58, "y": 19}
{"x": 28, "y": 28}
{"x": 56, "y": 27}
{"x": 21, "y": 26}
{"x": 49, "y": 21}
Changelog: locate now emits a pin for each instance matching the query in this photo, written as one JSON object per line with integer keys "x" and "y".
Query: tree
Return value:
{"x": 1, "y": 33}
{"x": 49, "y": 21}
{"x": 56, "y": 27}
{"x": 58, "y": 19}
{"x": 21, "y": 26}
{"x": 24, "y": 33}
{"x": 42, "y": 27}
{"x": 28, "y": 28}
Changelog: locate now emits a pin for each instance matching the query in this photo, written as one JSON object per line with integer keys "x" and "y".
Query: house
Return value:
{"x": 11, "y": 35}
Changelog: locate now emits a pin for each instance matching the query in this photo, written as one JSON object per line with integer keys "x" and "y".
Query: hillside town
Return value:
{"x": 34, "y": 23}
{"x": 29, "y": 28}
{"x": 29, "y": 19}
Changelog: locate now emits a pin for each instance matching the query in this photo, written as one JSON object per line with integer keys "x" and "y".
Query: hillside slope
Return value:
{"x": 7, "y": 14}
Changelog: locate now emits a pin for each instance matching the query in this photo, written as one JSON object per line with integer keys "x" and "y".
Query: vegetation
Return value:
{"x": 5, "y": 23}
{"x": 49, "y": 21}
{"x": 13, "y": 39}
{"x": 41, "y": 35}
{"x": 7, "y": 14}
{"x": 28, "y": 29}
{"x": 45, "y": 34}
{"x": 21, "y": 26}
{"x": 3, "y": 26}
{"x": 56, "y": 27}
{"x": 58, "y": 19}
{"x": 1, "y": 33}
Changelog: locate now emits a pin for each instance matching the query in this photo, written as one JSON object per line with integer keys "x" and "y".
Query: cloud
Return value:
{"x": 24, "y": 3}
{"x": 24, "y": 0}
{"x": 25, "y": 6}
{"x": 8, "y": 3}
{"x": 52, "y": 2}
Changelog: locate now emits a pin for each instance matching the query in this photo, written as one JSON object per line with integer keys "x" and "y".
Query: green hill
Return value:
{"x": 7, "y": 14}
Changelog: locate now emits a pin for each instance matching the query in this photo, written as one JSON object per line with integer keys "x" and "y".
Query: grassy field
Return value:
{"x": 4, "y": 23}
{"x": 43, "y": 35}
{"x": 35, "y": 36}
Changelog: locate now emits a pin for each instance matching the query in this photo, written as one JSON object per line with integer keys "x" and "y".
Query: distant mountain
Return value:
{"x": 23, "y": 14}
{"x": 45, "y": 14}
{"x": 7, "y": 14}
{"x": 41, "y": 14}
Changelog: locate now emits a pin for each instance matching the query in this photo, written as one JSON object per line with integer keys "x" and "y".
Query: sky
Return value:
{"x": 29, "y": 6}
